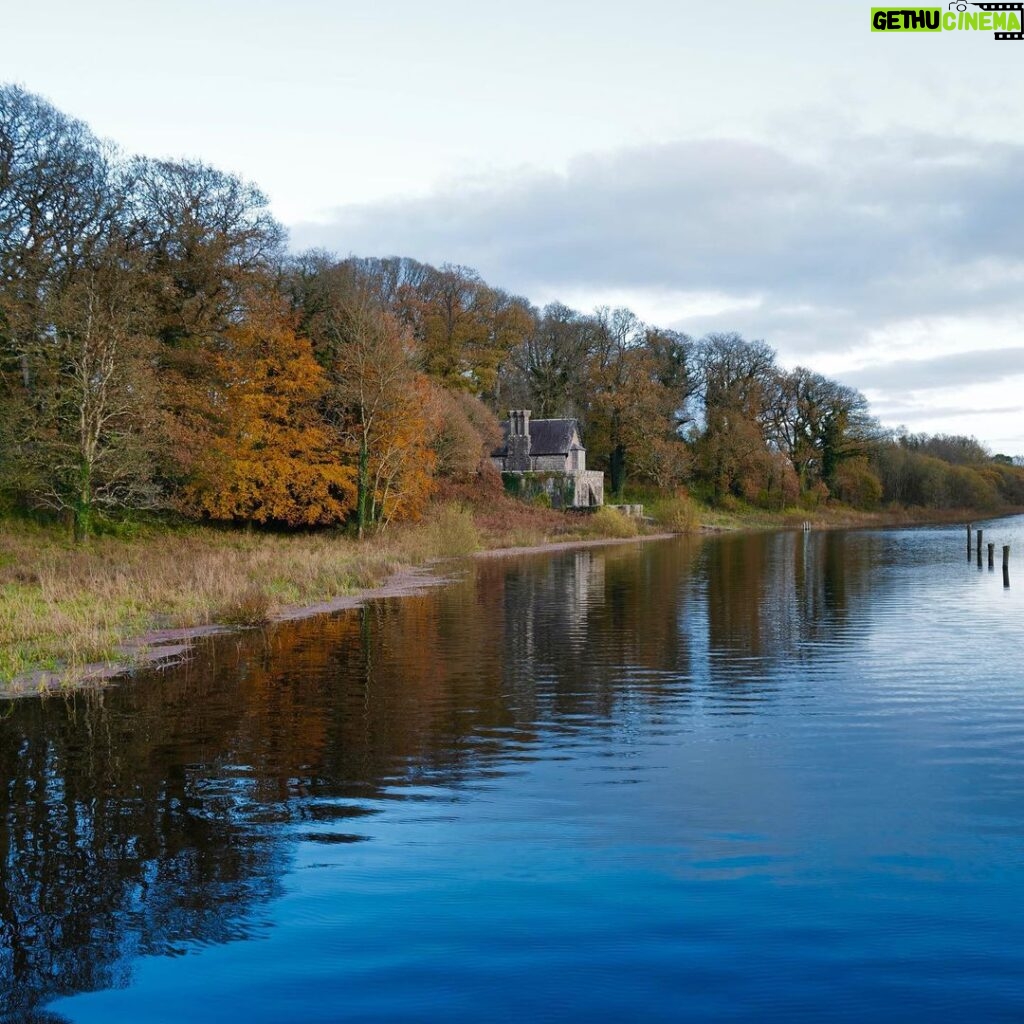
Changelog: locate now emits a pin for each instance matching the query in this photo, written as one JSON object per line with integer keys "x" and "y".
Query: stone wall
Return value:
{"x": 589, "y": 488}
{"x": 549, "y": 464}
{"x": 633, "y": 511}
{"x": 561, "y": 490}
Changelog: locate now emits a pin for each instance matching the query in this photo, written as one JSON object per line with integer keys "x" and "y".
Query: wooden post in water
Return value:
{"x": 981, "y": 534}
{"x": 970, "y": 526}
{"x": 1006, "y": 565}
{"x": 991, "y": 556}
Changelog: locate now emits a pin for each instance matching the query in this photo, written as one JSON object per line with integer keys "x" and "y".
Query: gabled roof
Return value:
{"x": 547, "y": 437}
{"x": 551, "y": 437}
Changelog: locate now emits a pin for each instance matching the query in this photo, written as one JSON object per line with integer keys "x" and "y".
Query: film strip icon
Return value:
{"x": 1018, "y": 7}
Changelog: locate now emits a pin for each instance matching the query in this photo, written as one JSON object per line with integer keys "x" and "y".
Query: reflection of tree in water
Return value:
{"x": 160, "y": 814}
{"x": 163, "y": 813}
{"x": 771, "y": 600}
{"x": 109, "y": 849}
{"x": 587, "y": 631}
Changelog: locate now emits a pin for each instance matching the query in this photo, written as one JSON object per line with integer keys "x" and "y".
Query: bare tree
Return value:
{"x": 818, "y": 423}
{"x": 85, "y": 439}
{"x": 208, "y": 236}
{"x": 59, "y": 197}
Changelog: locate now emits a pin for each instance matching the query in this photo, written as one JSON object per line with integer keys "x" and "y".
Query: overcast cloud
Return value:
{"x": 978, "y": 367}
{"x": 898, "y": 220}
{"x": 881, "y": 258}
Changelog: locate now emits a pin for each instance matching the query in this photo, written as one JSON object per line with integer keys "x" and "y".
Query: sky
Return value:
{"x": 853, "y": 198}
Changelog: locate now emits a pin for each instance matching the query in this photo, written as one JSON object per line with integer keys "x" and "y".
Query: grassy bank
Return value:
{"x": 683, "y": 514}
{"x": 62, "y": 606}
{"x": 838, "y": 517}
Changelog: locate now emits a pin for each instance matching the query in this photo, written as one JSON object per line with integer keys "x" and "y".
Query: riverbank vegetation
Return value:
{"x": 190, "y": 404}
{"x": 64, "y": 605}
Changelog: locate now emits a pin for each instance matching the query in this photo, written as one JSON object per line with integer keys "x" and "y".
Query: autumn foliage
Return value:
{"x": 161, "y": 350}
{"x": 270, "y": 456}
{"x": 402, "y": 463}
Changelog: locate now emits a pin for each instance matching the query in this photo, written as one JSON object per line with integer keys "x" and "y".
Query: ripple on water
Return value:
{"x": 742, "y": 778}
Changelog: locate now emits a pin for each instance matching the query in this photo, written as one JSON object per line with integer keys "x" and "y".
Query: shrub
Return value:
{"x": 1010, "y": 482}
{"x": 814, "y": 496}
{"x": 967, "y": 488}
{"x": 925, "y": 481}
{"x": 856, "y": 484}
{"x": 783, "y": 490}
{"x": 250, "y": 608}
{"x": 450, "y": 532}
{"x": 466, "y": 433}
{"x": 677, "y": 514}
{"x": 610, "y": 522}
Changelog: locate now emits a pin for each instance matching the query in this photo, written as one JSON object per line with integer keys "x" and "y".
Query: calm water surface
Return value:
{"x": 743, "y": 779}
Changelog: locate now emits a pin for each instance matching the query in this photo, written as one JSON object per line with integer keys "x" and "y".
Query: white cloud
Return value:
{"x": 868, "y": 250}
{"x": 877, "y": 228}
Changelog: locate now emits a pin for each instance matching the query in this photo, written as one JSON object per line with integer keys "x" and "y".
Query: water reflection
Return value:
{"x": 114, "y": 847}
{"x": 161, "y": 816}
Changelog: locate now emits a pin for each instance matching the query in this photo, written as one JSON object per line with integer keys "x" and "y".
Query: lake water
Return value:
{"x": 749, "y": 778}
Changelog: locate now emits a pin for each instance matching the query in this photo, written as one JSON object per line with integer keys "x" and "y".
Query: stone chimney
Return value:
{"x": 518, "y": 459}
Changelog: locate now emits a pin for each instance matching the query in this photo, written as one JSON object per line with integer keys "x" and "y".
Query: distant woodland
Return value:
{"x": 161, "y": 351}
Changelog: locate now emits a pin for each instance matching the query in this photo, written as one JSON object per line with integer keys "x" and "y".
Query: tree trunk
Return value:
{"x": 364, "y": 486}
{"x": 83, "y": 513}
{"x": 617, "y": 469}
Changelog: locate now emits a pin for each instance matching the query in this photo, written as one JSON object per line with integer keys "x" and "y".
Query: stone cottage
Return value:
{"x": 547, "y": 456}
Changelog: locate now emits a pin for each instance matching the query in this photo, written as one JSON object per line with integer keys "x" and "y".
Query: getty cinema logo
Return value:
{"x": 959, "y": 16}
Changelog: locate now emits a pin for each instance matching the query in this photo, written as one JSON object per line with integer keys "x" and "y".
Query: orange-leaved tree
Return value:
{"x": 402, "y": 460}
{"x": 388, "y": 414}
{"x": 270, "y": 456}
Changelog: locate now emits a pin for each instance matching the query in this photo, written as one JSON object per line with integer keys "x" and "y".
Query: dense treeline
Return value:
{"x": 160, "y": 349}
